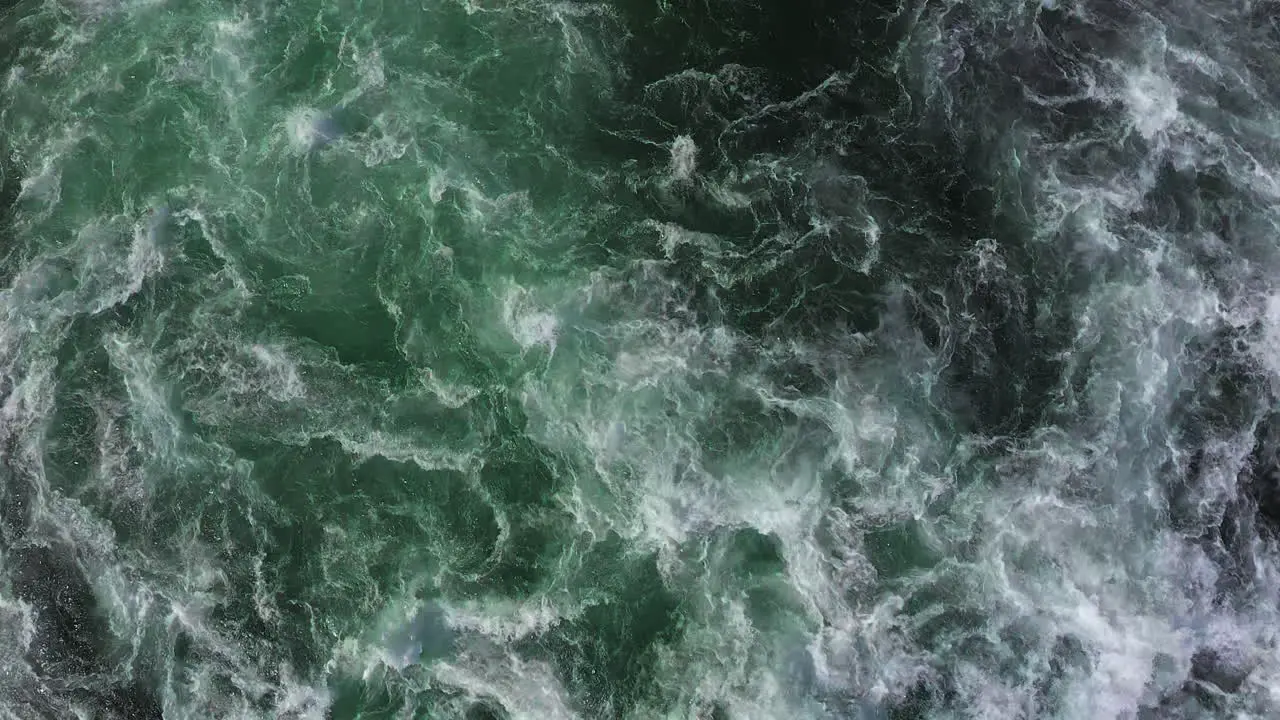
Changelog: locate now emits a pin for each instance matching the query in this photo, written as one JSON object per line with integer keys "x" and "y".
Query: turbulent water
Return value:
{"x": 639, "y": 359}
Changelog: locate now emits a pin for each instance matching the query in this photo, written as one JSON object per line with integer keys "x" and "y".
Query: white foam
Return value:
{"x": 281, "y": 380}
{"x": 526, "y": 689}
{"x": 300, "y": 701}
{"x": 452, "y": 395}
{"x": 1057, "y": 536}
{"x": 146, "y": 259}
{"x": 305, "y": 129}
{"x": 529, "y": 325}
{"x": 1152, "y": 101}
{"x": 45, "y": 187}
{"x": 17, "y": 631}
{"x": 684, "y": 158}
{"x": 672, "y": 236}
{"x": 400, "y": 448}
{"x": 230, "y": 55}
{"x": 148, "y": 394}
{"x": 508, "y": 621}
{"x": 1267, "y": 349}
{"x": 390, "y": 144}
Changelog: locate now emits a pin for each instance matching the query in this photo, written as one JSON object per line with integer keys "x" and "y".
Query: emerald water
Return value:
{"x": 639, "y": 359}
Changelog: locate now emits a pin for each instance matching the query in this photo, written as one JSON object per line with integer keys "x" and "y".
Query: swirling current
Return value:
{"x": 639, "y": 359}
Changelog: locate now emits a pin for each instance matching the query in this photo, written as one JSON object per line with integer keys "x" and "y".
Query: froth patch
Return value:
{"x": 529, "y": 325}
{"x": 1152, "y": 101}
{"x": 281, "y": 374}
{"x": 525, "y": 688}
{"x": 684, "y": 158}
{"x": 307, "y": 128}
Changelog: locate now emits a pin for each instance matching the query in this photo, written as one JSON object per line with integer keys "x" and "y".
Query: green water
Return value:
{"x": 638, "y": 359}
{"x": 298, "y": 390}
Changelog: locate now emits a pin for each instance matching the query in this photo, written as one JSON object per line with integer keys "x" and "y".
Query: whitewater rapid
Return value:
{"x": 629, "y": 360}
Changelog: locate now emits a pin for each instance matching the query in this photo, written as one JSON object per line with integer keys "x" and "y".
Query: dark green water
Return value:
{"x": 638, "y": 359}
